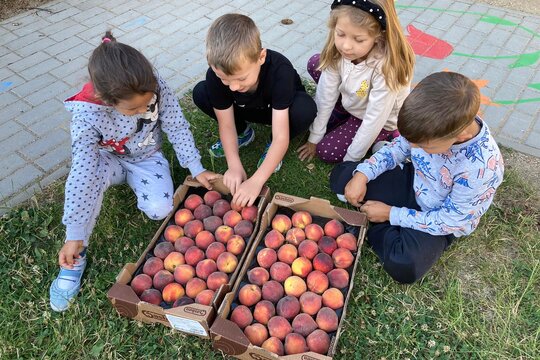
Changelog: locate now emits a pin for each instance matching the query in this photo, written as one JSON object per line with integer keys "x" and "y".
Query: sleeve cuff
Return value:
{"x": 394, "y": 216}
{"x": 315, "y": 139}
{"x": 364, "y": 169}
{"x": 195, "y": 168}
{"x": 76, "y": 232}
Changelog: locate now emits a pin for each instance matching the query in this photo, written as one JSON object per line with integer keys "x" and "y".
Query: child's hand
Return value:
{"x": 69, "y": 252}
{"x": 206, "y": 177}
{"x": 233, "y": 178}
{"x": 246, "y": 193}
{"x": 355, "y": 190}
{"x": 307, "y": 151}
{"x": 376, "y": 211}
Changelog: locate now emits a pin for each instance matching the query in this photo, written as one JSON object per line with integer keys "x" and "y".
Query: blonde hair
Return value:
{"x": 231, "y": 39}
{"x": 391, "y": 44}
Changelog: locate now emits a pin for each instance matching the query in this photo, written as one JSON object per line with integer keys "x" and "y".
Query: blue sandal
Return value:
{"x": 67, "y": 285}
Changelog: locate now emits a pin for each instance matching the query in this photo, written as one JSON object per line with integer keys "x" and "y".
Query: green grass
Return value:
{"x": 480, "y": 301}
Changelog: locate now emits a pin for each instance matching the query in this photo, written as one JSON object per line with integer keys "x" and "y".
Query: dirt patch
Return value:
{"x": 9, "y": 8}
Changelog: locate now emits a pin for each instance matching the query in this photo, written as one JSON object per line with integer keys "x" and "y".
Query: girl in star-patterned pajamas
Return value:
{"x": 116, "y": 132}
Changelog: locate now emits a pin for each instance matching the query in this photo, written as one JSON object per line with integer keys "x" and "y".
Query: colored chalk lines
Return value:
{"x": 432, "y": 47}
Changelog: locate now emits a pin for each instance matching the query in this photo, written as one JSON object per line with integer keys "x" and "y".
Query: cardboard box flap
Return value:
{"x": 217, "y": 184}
{"x": 124, "y": 300}
{"x": 235, "y": 343}
{"x": 126, "y": 274}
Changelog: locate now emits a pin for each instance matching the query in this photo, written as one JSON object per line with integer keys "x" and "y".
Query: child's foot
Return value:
{"x": 244, "y": 139}
{"x": 67, "y": 285}
{"x": 263, "y": 156}
{"x": 378, "y": 146}
{"x": 341, "y": 198}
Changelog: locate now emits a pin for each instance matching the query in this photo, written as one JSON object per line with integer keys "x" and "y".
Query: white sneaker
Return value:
{"x": 378, "y": 146}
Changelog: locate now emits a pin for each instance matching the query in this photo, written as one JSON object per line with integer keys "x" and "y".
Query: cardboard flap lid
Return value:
{"x": 124, "y": 300}
{"x": 228, "y": 337}
{"x": 126, "y": 274}
{"x": 219, "y": 186}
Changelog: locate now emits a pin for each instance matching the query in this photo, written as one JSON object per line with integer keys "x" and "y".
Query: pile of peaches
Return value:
{"x": 199, "y": 252}
{"x": 294, "y": 292}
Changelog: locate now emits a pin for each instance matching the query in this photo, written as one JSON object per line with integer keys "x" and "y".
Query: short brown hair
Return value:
{"x": 441, "y": 106}
{"x": 231, "y": 39}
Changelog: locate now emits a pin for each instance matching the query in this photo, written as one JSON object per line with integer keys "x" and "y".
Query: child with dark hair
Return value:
{"x": 431, "y": 184}
{"x": 116, "y": 132}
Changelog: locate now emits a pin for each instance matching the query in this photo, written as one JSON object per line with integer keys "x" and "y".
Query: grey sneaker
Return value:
{"x": 263, "y": 156}
{"x": 379, "y": 145}
{"x": 244, "y": 139}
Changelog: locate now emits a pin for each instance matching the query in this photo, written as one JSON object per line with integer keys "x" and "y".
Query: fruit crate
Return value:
{"x": 193, "y": 318}
{"x": 229, "y": 337}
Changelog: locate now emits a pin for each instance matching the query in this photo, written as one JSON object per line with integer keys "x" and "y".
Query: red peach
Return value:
{"x": 214, "y": 250}
{"x": 210, "y": 197}
{"x": 295, "y": 236}
{"x": 310, "y": 303}
{"x": 241, "y": 316}
{"x": 304, "y": 324}
{"x": 162, "y": 249}
{"x": 151, "y": 296}
{"x": 334, "y": 228}
{"x": 295, "y": 286}
{"x": 202, "y": 212}
{"x": 288, "y": 307}
{"x": 204, "y": 297}
{"x": 204, "y": 239}
{"x": 274, "y": 239}
{"x": 172, "y": 233}
{"x": 301, "y": 219}
{"x": 314, "y": 232}
{"x": 266, "y": 257}
{"x": 236, "y": 244}
{"x": 152, "y": 266}
{"x": 317, "y": 282}
{"x": 173, "y": 260}
{"x": 263, "y": 311}
{"x": 281, "y": 223}
{"x": 256, "y": 333}
{"x": 327, "y": 244}
{"x": 274, "y": 345}
{"x": 280, "y": 271}
{"x": 287, "y": 253}
{"x": 343, "y": 258}
{"x": 231, "y": 218}
{"x": 279, "y": 327}
{"x": 295, "y": 344}
{"x": 193, "y": 227}
{"x": 339, "y": 278}
{"x": 227, "y": 262}
{"x": 223, "y": 233}
{"x": 333, "y": 298}
{"x": 193, "y": 255}
{"x": 327, "y": 319}
{"x": 244, "y": 228}
{"x": 220, "y": 207}
{"x": 172, "y": 292}
{"x": 308, "y": 249}
{"x": 161, "y": 279}
{"x": 272, "y": 291}
{"x": 192, "y": 201}
{"x": 301, "y": 267}
{"x": 183, "y": 243}
{"x": 183, "y": 216}
{"x": 236, "y": 207}
{"x": 258, "y": 276}
{"x": 216, "y": 279}
{"x": 318, "y": 341}
{"x": 184, "y": 273}
{"x": 194, "y": 287}
{"x": 347, "y": 241}
{"x": 211, "y": 223}
{"x": 250, "y": 213}
{"x": 205, "y": 268}
{"x": 249, "y": 295}
{"x": 184, "y": 300}
{"x": 140, "y": 283}
{"x": 323, "y": 262}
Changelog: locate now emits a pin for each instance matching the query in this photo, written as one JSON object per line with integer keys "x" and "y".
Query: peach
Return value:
{"x": 216, "y": 279}
{"x": 162, "y": 279}
{"x": 227, "y": 262}
{"x": 333, "y": 228}
{"x": 266, "y": 257}
{"x": 274, "y": 345}
{"x": 231, "y": 218}
{"x": 327, "y": 245}
{"x": 236, "y": 244}
{"x": 214, "y": 250}
{"x": 204, "y": 239}
{"x": 211, "y": 223}
{"x": 280, "y": 271}
{"x": 183, "y": 216}
{"x": 151, "y": 296}
{"x": 193, "y": 255}
{"x": 223, "y": 233}
{"x": 287, "y": 253}
{"x": 308, "y": 249}
{"x": 304, "y": 324}
{"x": 249, "y": 294}
{"x": 173, "y": 232}
{"x": 258, "y": 276}
{"x": 333, "y": 298}
{"x": 183, "y": 243}
{"x": 184, "y": 300}
{"x": 194, "y": 287}
{"x": 202, "y": 212}
{"x": 140, "y": 283}
{"x": 210, "y": 197}
{"x": 314, "y": 232}
{"x": 279, "y": 327}
{"x": 273, "y": 239}
{"x": 295, "y": 344}
{"x": 347, "y": 241}
{"x": 205, "y": 297}
{"x": 220, "y": 207}
{"x": 193, "y": 227}
{"x": 301, "y": 219}
{"x": 192, "y": 201}
{"x": 327, "y": 319}
{"x": 317, "y": 282}
{"x": 318, "y": 341}
{"x": 272, "y": 291}
{"x": 184, "y": 273}
{"x": 301, "y": 267}
{"x": 162, "y": 249}
{"x": 173, "y": 260}
{"x": 310, "y": 303}
{"x": 323, "y": 262}
{"x": 281, "y": 223}
{"x": 263, "y": 311}
{"x": 250, "y": 213}
{"x": 288, "y": 307}
{"x": 241, "y": 316}
{"x": 338, "y": 278}
{"x": 172, "y": 292}
{"x": 295, "y": 236}
{"x": 236, "y": 207}
{"x": 152, "y": 266}
{"x": 205, "y": 268}
{"x": 343, "y": 258}
{"x": 256, "y": 333}
{"x": 294, "y": 286}
{"x": 244, "y": 228}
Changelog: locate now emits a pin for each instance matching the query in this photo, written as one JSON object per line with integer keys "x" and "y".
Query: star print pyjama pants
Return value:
{"x": 342, "y": 126}
{"x": 150, "y": 179}
{"x": 406, "y": 254}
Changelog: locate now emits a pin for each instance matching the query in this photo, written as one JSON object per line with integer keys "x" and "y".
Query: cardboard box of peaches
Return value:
{"x": 291, "y": 295}
{"x": 191, "y": 262}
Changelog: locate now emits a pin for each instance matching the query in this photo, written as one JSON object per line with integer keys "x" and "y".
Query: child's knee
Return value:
{"x": 404, "y": 271}
{"x": 158, "y": 211}
{"x": 312, "y": 65}
{"x": 200, "y": 94}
